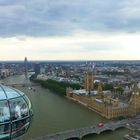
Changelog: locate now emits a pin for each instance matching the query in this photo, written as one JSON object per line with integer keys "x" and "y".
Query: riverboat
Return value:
{"x": 131, "y": 137}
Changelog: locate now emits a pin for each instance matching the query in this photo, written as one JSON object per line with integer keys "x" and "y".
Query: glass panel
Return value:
{"x": 28, "y": 101}
{"x": 20, "y": 127}
{"x": 4, "y": 112}
{"x": 4, "y": 120}
{"x": 5, "y": 131}
{"x": 2, "y": 94}
{"x": 19, "y": 108}
{"x": 20, "y": 92}
{"x": 11, "y": 93}
{"x": 29, "y": 104}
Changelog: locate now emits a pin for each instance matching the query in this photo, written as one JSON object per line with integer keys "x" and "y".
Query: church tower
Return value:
{"x": 100, "y": 90}
{"x": 135, "y": 100}
{"x": 89, "y": 79}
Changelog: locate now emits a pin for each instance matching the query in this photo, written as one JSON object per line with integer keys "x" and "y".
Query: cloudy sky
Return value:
{"x": 70, "y": 29}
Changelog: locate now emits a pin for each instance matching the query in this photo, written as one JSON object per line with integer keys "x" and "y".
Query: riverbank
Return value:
{"x": 57, "y": 86}
{"x": 84, "y": 104}
{"x": 53, "y": 113}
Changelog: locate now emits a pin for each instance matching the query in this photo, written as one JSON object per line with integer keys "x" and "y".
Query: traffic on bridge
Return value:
{"x": 95, "y": 129}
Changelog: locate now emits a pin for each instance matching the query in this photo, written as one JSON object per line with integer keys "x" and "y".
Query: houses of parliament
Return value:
{"x": 103, "y": 103}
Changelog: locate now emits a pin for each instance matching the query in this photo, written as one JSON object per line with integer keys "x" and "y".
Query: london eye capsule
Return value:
{"x": 15, "y": 113}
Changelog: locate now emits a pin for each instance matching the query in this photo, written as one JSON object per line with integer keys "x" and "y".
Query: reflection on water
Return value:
{"x": 54, "y": 113}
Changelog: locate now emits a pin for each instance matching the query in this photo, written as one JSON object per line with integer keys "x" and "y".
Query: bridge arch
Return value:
{"x": 88, "y": 135}
{"x": 107, "y": 130}
{"x": 87, "y": 131}
{"x": 99, "y": 132}
{"x": 120, "y": 127}
{"x": 73, "y": 138}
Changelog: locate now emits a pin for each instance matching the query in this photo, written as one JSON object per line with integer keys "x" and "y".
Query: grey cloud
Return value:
{"x": 63, "y": 17}
{"x": 100, "y": 46}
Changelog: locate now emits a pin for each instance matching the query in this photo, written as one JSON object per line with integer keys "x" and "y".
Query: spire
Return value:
{"x": 135, "y": 88}
{"x": 89, "y": 78}
{"x": 135, "y": 99}
{"x": 26, "y": 67}
{"x": 100, "y": 89}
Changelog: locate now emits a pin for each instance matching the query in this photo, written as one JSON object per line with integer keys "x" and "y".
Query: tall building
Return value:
{"x": 37, "y": 69}
{"x": 26, "y": 80}
{"x": 135, "y": 100}
{"x": 89, "y": 79}
{"x": 106, "y": 105}
{"x": 4, "y": 72}
{"x": 100, "y": 90}
{"x": 26, "y": 67}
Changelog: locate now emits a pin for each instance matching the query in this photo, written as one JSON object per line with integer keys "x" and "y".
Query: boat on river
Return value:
{"x": 131, "y": 137}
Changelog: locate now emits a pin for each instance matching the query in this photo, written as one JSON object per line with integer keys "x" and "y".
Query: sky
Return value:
{"x": 70, "y": 29}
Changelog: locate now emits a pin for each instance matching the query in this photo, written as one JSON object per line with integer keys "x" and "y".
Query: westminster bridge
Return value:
{"x": 22, "y": 85}
{"x": 95, "y": 129}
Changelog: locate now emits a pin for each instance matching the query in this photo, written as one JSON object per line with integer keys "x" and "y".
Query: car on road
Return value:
{"x": 100, "y": 124}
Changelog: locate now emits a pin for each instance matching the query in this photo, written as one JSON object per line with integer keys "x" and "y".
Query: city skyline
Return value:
{"x": 62, "y": 30}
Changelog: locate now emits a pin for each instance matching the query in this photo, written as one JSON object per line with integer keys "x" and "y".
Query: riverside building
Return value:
{"x": 103, "y": 102}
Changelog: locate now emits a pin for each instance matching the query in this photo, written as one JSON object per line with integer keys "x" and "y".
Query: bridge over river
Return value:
{"x": 22, "y": 85}
{"x": 81, "y": 132}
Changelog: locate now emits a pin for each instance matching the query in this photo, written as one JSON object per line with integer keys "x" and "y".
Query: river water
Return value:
{"x": 54, "y": 113}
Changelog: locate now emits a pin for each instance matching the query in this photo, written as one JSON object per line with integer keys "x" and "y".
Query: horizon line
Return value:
{"x": 71, "y": 60}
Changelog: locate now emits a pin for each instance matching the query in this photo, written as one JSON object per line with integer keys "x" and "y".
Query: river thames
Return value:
{"x": 55, "y": 113}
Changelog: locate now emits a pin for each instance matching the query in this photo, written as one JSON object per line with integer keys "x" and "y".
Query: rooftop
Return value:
{"x": 84, "y": 92}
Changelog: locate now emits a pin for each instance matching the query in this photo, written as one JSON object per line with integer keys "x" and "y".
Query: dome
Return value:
{"x": 15, "y": 113}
